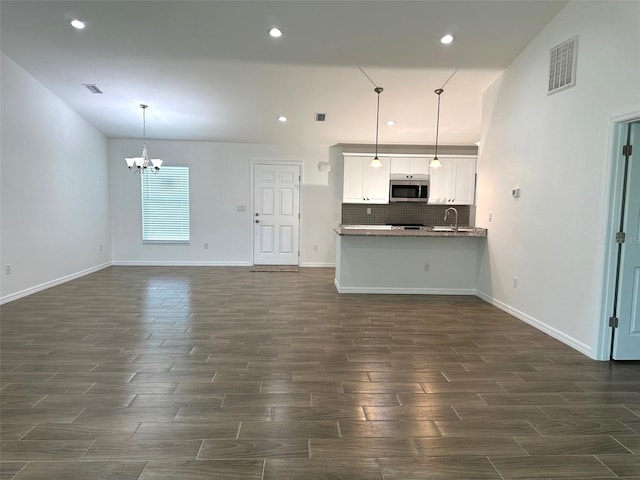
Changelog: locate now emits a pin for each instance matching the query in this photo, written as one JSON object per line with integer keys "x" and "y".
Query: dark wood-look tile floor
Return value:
{"x": 222, "y": 373}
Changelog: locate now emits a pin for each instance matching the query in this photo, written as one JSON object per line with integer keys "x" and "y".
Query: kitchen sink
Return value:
{"x": 452, "y": 229}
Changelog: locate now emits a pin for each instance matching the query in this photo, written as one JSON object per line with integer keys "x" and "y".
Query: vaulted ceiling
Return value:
{"x": 209, "y": 71}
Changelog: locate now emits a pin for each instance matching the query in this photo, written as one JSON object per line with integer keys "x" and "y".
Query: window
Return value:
{"x": 165, "y": 205}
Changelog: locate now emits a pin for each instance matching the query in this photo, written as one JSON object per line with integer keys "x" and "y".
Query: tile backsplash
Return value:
{"x": 400, "y": 212}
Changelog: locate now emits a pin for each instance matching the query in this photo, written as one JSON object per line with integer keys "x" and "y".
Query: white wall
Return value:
{"x": 220, "y": 181}
{"x": 55, "y": 196}
{"x": 557, "y": 149}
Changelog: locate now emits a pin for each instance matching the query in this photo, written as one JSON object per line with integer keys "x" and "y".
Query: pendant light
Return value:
{"x": 138, "y": 164}
{"x": 376, "y": 163}
{"x": 435, "y": 163}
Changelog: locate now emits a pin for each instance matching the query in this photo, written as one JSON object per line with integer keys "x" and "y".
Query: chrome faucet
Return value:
{"x": 446, "y": 214}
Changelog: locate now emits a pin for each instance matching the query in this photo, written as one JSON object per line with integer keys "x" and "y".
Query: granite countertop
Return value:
{"x": 393, "y": 231}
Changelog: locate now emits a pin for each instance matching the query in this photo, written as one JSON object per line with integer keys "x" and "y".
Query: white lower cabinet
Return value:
{"x": 365, "y": 184}
{"x": 454, "y": 182}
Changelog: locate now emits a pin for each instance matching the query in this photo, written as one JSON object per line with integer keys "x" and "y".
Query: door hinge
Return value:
{"x": 613, "y": 322}
{"x": 626, "y": 150}
{"x": 298, "y": 252}
{"x": 620, "y": 237}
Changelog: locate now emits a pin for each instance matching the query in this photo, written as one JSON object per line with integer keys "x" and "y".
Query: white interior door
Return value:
{"x": 276, "y": 211}
{"x": 626, "y": 344}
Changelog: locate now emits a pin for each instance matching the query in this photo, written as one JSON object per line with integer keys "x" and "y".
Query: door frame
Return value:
{"x": 613, "y": 210}
{"x": 257, "y": 161}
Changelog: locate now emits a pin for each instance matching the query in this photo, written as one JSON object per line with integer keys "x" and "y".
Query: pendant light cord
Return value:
{"x": 368, "y": 77}
{"x": 378, "y": 90}
{"x": 438, "y": 92}
{"x": 450, "y": 77}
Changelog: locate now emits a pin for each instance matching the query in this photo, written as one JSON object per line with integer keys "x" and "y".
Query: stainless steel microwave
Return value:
{"x": 415, "y": 189}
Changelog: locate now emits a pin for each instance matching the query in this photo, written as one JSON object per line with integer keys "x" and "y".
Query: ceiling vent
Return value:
{"x": 92, "y": 87}
{"x": 320, "y": 117}
{"x": 562, "y": 66}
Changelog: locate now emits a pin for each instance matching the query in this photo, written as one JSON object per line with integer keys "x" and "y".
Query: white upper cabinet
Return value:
{"x": 409, "y": 166}
{"x": 365, "y": 184}
{"x": 454, "y": 182}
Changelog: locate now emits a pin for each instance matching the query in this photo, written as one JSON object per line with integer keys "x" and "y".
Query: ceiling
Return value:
{"x": 209, "y": 71}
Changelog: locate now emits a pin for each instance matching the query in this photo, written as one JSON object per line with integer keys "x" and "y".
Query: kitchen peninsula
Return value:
{"x": 388, "y": 259}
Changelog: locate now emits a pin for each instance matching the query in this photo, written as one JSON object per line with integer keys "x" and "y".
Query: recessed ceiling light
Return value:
{"x": 391, "y": 123}
{"x": 282, "y": 118}
{"x": 447, "y": 39}
{"x": 77, "y": 24}
{"x": 275, "y": 32}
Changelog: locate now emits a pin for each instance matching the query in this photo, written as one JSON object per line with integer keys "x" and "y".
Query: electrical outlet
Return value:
{"x": 100, "y": 247}
{"x": 7, "y": 269}
{"x": 315, "y": 248}
{"x": 490, "y": 216}
{"x": 515, "y": 282}
{"x": 426, "y": 267}
{"x": 368, "y": 211}
{"x": 206, "y": 246}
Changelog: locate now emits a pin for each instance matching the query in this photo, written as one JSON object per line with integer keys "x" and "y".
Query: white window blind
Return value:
{"x": 165, "y": 205}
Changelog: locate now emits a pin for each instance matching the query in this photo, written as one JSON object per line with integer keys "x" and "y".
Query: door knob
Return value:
{"x": 257, "y": 221}
{"x": 257, "y": 214}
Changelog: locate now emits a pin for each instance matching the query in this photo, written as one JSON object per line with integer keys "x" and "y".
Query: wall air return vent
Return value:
{"x": 321, "y": 117}
{"x": 562, "y": 66}
{"x": 92, "y": 87}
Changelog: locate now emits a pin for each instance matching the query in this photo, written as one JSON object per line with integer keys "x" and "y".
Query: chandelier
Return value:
{"x": 137, "y": 164}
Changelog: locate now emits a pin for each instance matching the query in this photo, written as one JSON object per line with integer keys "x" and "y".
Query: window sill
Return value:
{"x": 166, "y": 242}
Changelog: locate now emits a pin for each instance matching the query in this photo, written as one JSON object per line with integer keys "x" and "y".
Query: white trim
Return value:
{"x": 318, "y": 264}
{"x": 534, "y": 322}
{"x": 602, "y": 341}
{"x": 179, "y": 263}
{"x": 51, "y": 283}
{"x": 403, "y": 291}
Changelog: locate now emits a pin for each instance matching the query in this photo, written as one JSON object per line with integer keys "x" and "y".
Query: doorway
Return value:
{"x": 276, "y": 214}
{"x": 623, "y": 319}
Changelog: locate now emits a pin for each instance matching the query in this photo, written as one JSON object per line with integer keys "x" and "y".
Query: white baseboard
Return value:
{"x": 51, "y": 283}
{"x": 403, "y": 291}
{"x": 179, "y": 263}
{"x": 318, "y": 264}
{"x": 534, "y": 322}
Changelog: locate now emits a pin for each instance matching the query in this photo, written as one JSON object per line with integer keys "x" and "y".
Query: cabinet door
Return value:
{"x": 464, "y": 185}
{"x": 409, "y": 166}
{"x": 376, "y": 181}
{"x": 419, "y": 166}
{"x": 454, "y": 182}
{"x": 400, "y": 165}
{"x": 353, "y": 181}
{"x": 440, "y": 182}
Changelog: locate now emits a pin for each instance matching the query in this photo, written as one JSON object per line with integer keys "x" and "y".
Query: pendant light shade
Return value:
{"x": 435, "y": 163}
{"x": 376, "y": 163}
{"x": 141, "y": 163}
